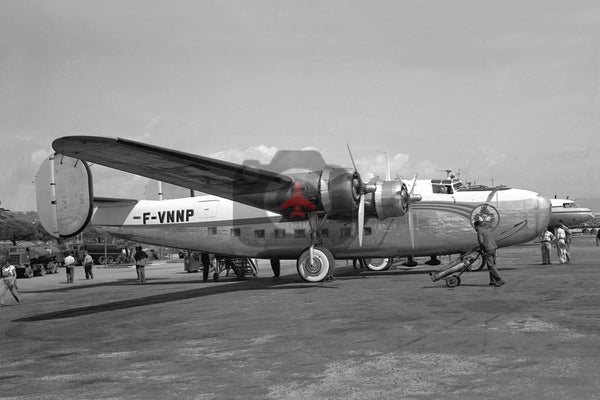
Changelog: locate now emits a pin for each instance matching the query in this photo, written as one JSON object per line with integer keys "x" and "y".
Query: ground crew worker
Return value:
{"x": 9, "y": 281}
{"x": 561, "y": 245}
{"x": 568, "y": 240}
{"x": 488, "y": 248}
{"x": 88, "y": 263}
{"x": 205, "y": 259}
{"x": 141, "y": 260}
{"x": 546, "y": 240}
{"x": 276, "y": 267}
{"x": 70, "y": 267}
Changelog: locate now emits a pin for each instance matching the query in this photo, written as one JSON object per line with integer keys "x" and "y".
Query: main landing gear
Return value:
{"x": 316, "y": 263}
{"x": 315, "y": 267}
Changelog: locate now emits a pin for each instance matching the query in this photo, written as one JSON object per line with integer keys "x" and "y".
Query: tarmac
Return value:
{"x": 365, "y": 335}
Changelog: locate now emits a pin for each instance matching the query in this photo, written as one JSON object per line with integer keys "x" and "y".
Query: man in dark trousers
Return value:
{"x": 275, "y": 266}
{"x": 205, "y": 259}
{"x": 488, "y": 252}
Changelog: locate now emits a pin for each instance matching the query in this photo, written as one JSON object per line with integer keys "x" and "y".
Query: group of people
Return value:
{"x": 561, "y": 238}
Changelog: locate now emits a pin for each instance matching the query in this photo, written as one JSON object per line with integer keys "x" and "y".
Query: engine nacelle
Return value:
{"x": 337, "y": 192}
{"x": 340, "y": 193}
{"x": 391, "y": 199}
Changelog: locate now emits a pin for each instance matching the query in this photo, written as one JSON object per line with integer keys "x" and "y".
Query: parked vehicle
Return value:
{"x": 101, "y": 253}
{"x": 35, "y": 259}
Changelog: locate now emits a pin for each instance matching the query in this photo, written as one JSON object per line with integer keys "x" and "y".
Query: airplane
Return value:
{"x": 242, "y": 214}
{"x": 567, "y": 211}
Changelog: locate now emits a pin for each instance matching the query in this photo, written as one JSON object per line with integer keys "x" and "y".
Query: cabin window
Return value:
{"x": 236, "y": 232}
{"x": 346, "y": 232}
{"x": 259, "y": 233}
{"x": 212, "y": 230}
{"x": 279, "y": 234}
{"x": 299, "y": 233}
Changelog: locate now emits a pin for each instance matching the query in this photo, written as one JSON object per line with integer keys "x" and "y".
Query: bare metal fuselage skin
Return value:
{"x": 441, "y": 224}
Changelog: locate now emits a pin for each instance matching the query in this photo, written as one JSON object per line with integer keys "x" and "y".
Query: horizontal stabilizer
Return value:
{"x": 64, "y": 196}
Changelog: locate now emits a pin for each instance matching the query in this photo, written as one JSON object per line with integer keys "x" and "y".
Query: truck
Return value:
{"x": 100, "y": 252}
{"x": 35, "y": 259}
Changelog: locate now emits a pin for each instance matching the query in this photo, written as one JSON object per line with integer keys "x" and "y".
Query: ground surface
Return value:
{"x": 363, "y": 336}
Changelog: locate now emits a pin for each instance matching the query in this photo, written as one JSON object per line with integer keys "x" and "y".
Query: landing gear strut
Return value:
{"x": 315, "y": 264}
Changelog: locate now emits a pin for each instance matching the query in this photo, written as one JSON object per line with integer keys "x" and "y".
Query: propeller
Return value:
{"x": 359, "y": 189}
{"x": 410, "y": 215}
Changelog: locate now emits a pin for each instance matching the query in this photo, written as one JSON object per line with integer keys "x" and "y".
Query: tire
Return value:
{"x": 376, "y": 264}
{"x": 452, "y": 281}
{"x": 322, "y": 266}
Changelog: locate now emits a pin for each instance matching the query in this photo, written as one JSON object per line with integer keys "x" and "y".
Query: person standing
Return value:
{"x": 561, "y": 245}
{"x": 598, "y": 237}
{"x": 9, "y": 281}
{"x": 141, "y": 260}
{"x": 567, "y": 240}
{"x": 488, "y": 248}
{"x": 88, "y": 263}
{"x": 276, "y": 267}
{"x": 546, "y": 240}
{"x": 70, "y": 267}
{"x": 205, "y": 259}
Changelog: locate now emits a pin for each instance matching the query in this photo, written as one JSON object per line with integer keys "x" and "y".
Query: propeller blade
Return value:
{"x": 411, "y": 231}
{"x": 352, "y": 158}
{"x": 361, "y": 219}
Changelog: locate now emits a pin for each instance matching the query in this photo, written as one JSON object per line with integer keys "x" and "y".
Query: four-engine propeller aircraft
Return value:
{"x": 314, "y": 216}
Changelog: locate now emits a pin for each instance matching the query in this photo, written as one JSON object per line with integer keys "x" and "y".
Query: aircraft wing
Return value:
{"x": 220, "y": 178}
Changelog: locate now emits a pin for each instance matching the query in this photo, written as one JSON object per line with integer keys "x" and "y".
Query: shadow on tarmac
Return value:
{"x": 287, "y": 282}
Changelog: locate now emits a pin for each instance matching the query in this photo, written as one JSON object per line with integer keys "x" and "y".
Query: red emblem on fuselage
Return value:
{"x": 297, "y": 200}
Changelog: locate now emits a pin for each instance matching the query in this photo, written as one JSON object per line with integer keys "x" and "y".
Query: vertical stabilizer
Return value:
{"x": 64, "y": 195}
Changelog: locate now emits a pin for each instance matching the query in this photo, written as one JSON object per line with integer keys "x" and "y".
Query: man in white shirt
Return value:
{"x": 561, "y": 245}
{"x": 9, "y": 281}
{"x": 70, "y": 267}
{"x": 546, "y": 240}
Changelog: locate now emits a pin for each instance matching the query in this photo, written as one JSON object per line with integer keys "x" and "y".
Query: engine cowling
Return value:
{"x": 391, "y": 199}
{"x": 340, "y": 190}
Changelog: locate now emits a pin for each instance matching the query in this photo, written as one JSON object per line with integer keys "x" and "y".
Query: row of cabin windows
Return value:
{"x": 345, "y": 232}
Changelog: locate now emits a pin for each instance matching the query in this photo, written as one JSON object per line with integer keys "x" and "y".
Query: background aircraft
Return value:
{"x": 242, "y": 215}
{"x": 569, "y": 212}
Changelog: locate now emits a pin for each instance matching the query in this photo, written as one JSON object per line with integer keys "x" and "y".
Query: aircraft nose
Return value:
{"x": 544, "y": 211}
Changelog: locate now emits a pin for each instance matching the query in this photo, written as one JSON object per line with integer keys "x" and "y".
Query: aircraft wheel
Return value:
{"x": 453, "y": 281}
{"x": 376, "y": 264}
{"x": 215, "y": 276}
{"x": 321, "y": 267}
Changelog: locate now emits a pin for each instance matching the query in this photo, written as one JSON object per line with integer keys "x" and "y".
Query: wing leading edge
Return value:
{"x": 220, "y": 178}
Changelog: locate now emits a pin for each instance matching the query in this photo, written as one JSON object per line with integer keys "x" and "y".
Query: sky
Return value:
{"x": 507, "y": 92}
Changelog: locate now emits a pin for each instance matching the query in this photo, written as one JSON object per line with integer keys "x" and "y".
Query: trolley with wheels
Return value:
{"x": 452, "y": 272}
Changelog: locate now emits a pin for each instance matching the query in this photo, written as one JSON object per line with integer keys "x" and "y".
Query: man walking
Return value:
{"x": 70, "y": 267}
{"x": 88, "y": 263}
{"x": 488, "y": 248}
